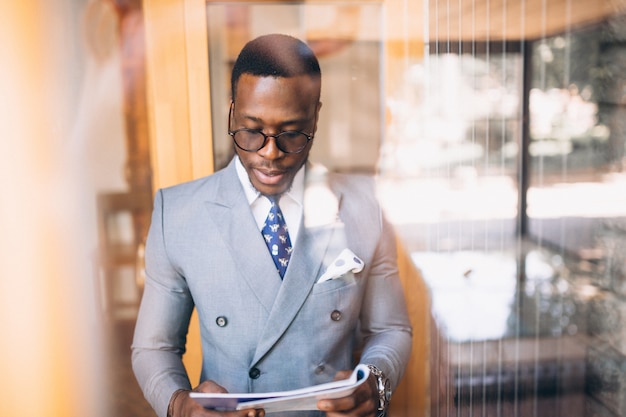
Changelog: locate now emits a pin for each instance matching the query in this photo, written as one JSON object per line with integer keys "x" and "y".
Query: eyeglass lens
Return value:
{"x": 253, "y": 140}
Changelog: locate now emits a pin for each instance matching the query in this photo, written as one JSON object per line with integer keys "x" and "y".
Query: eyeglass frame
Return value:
{"x": 231, "y": 133}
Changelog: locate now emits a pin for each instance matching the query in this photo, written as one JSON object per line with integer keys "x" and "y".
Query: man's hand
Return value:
{"x": 362, "y": 403}
{"x": 181, "y": 405}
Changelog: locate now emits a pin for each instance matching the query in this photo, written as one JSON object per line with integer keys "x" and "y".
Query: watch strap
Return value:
{"x": 384, "y": 391}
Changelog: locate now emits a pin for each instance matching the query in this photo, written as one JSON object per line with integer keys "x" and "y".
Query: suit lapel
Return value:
{"x": 233, "y": 220}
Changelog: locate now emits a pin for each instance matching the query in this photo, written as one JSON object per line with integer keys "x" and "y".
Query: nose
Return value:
{"x": 270, "y": 150}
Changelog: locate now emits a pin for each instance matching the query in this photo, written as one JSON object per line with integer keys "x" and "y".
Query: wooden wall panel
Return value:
{"x": 179, "y": 108}
{"x": 411, "y": 396}
{"x": 178, "y": 90}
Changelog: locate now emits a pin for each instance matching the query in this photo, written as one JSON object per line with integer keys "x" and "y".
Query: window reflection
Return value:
{"x": 531, "y": 322}
{"x": 461, "y": 111}
{"x": 453, "y": 140}
{"x": 577, "y": 138}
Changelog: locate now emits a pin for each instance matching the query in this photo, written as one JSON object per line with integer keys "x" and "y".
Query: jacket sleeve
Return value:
{"x": 163, "y": 320}
{"x": 385, "y": 325}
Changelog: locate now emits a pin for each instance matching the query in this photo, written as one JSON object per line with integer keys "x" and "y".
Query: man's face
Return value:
{"x": 274, "y": 105}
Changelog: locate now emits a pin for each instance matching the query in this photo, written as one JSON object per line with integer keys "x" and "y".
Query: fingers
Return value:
{"x": 342, "y": 375}
{"x": 191, "y": 408}
{"x": 210, "y": 386}
{"x": 362, "y": 402}
{"x": 259, "y": 412}
{"x": 253, "y": 412}
{"x": 348, "y": 406}
{"x": 197, "y": 410}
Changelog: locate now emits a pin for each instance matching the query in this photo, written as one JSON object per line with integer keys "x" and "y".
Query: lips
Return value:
{"x": 269, "y": 177}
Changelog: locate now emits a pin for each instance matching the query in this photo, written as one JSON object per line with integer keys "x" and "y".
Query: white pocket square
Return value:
{"x": 346, "y": 261}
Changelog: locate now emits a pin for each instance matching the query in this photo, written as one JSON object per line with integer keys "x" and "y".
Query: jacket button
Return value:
{"x": 335, "y": 315}
{"x": 254, "y": 373}
{"x": 221, "y": 321}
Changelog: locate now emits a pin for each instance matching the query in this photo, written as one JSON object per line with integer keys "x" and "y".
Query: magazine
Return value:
{"x": 293, "y": 400}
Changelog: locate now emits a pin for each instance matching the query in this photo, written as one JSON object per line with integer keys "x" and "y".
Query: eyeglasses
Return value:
{"x": 253, "y": 140}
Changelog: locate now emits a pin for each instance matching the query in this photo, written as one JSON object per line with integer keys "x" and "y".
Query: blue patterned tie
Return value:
{"x": 277, "y": 237}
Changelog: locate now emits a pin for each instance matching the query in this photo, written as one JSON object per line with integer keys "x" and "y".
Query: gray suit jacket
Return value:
{"x": 260, "y": 333}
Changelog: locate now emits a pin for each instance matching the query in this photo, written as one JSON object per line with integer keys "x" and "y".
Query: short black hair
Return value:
{"x": 275, "y": 55}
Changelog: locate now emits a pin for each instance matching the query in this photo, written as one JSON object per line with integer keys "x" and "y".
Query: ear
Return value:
{"x": 317, "y": 115}
{"x": 230, "y": 113}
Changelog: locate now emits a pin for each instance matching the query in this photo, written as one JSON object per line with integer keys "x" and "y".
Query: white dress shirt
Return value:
{"x": 291, "y": 202}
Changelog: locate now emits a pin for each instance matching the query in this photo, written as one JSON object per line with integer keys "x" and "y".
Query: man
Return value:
{"x": 288, "y": 314}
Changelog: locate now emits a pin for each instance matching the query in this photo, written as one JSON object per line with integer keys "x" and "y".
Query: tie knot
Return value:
{"x": 273, "y": 199}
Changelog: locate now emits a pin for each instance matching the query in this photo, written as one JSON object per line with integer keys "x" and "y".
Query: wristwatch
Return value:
{"x": 384, "y": 390}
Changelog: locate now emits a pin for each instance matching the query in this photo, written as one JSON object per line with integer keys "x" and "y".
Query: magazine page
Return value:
{"x": 299, "y": 399}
